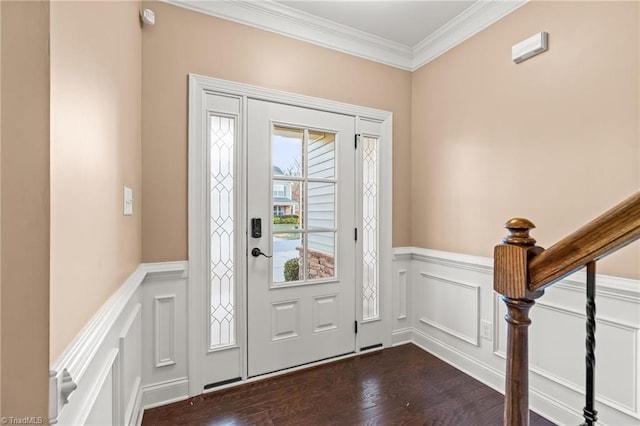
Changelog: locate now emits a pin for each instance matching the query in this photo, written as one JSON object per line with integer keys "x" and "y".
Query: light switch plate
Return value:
{"x": 128, "y": 201}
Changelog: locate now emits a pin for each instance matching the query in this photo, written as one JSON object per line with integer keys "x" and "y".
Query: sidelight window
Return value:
{"x": 222, "y": 141}
{"x": 370, "y": 281}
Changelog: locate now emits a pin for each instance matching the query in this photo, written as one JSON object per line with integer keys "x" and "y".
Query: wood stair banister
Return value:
{"x": 523, "y": 270}
{"x": 612, "y": 230}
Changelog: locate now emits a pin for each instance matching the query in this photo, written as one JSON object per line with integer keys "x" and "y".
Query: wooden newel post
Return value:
{"x": 511, "y": 261}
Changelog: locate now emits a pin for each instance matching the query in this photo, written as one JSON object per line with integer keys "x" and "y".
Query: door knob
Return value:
{"x": 255, "y": 252}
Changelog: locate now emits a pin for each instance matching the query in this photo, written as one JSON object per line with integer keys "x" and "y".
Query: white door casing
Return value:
{"x": 209, "y": 98}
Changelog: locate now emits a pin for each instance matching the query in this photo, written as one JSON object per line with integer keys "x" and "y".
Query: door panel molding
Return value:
{"x": 233, "y": 102}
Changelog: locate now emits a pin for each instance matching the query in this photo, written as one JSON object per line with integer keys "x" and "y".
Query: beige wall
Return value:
{"x": 555, "y": 139}
{"x": 95, "y": 151}
{"x": 0, "y": 208}
{"x": 185, "y": 42}
{"x": 24, "y": 208}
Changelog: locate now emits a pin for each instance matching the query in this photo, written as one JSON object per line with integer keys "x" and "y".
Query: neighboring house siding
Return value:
{"x": 321, "y": 195}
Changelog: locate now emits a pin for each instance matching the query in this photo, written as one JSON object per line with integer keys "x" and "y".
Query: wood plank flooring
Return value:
{"x": 397, "y": 386}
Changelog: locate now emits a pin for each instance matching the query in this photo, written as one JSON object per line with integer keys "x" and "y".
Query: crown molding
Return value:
{"x": 472, "y": 20}
{"x": 290, "y": 22}
{"x": 280, "y": 19}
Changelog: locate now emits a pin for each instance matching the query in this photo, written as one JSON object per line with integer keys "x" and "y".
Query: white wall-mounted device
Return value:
{"x": 148, "y": 17}
{"x": 530, "y": 47}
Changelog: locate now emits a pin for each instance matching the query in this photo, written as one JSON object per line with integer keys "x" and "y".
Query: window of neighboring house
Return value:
{"x": 279, "y": 210}
{"x": 279, "y": 191}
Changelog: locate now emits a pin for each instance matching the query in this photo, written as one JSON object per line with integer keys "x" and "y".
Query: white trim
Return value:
{"x": 290, "y": 22}
{"x": 471, "y": 21}
{"x": 576, "y": 387}
{"x": 72, "y": 365}
{"x": 131, "y": 408}
{"x": 486, "y": 361}
{"x": 164, "y": 393}
{"x": 199, "y": 88}
{"x": 401, "y": 336}
{"x": 486, "y": 374}
{"x": 168, "y": 333}
{"x": 196, "y": 240}
{"x": 402, "y": 294}
{"x": 385, "y": 235}
{"x": 79, "y": 354}
{"x": 203, "y": 84}
{"x": 473, "y": 287}
{"x": 464, "y": 261}
{"x": 107, "y": 368}
{"x": 469, "y": 365}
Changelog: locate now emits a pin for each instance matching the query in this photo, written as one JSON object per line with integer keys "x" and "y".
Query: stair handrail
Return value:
{"x": 602, "y": 236}
{"x": 523, "y": 270}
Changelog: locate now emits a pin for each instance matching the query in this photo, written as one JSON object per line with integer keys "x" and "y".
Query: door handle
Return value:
{"x": 255, "y": 252}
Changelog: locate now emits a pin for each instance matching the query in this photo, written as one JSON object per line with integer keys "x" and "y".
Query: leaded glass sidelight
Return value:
{"x": 370, "y": 284}
{"x": 221, "y": 231}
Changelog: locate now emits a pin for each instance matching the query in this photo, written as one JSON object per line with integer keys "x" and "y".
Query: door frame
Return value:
{"x": 199, "y": 88}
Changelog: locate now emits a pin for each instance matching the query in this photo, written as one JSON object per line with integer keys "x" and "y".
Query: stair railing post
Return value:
{"x": 511, "y": 261}
{"x": 589, "y": 412}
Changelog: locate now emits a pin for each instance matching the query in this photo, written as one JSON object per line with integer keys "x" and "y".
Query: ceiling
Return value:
{"x": 403, "y": 22}
{"x": 403, "y": 34}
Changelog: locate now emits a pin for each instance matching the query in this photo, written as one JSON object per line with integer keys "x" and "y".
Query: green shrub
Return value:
{"x": 286, "y": 219}
{"x": 292, "y": 270}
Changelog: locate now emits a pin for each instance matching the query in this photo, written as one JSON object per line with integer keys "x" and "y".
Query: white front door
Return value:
{"x": 301, "y": 212}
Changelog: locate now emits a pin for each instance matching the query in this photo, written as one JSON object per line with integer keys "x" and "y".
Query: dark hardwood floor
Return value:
{"x": 398, "y": 386}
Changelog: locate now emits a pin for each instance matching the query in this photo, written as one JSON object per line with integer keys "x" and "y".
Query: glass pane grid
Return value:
{"x": 303, "y": 235}
{"x": 221, "y": 232}
{"x": 370, "y": 285}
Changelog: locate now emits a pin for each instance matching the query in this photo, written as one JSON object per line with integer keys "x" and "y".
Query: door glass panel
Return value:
{"x": 321, "y": 205}
{"x": 287, "y": 261}
{"x": 304, "y": 204}
{"x": 370, "y": 302}
{"x": 221, "y": 231}
{"x": 287, "y": 151}
{"x": 321, "y": 255}
{"x": 321, "y": 155}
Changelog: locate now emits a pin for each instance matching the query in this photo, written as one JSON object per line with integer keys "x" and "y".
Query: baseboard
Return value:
{"x": 489, "y": 376}
{"x": 461, "y": 361}
{"x": 555, "y": 387}
{"x": 165, "y": 393}
{"x": 401, "y": 336}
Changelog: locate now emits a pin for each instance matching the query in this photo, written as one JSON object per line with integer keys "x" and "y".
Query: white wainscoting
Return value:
{"x": 109, "y": 370}
{"x": 164, "y": 342}
{"x": 448, "y": 295}
{"x": 133, "y": 354}
{"x": 402, "y": 296}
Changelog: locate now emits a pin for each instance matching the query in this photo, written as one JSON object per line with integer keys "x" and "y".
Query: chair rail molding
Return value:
{"x": 77, "y": 377}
